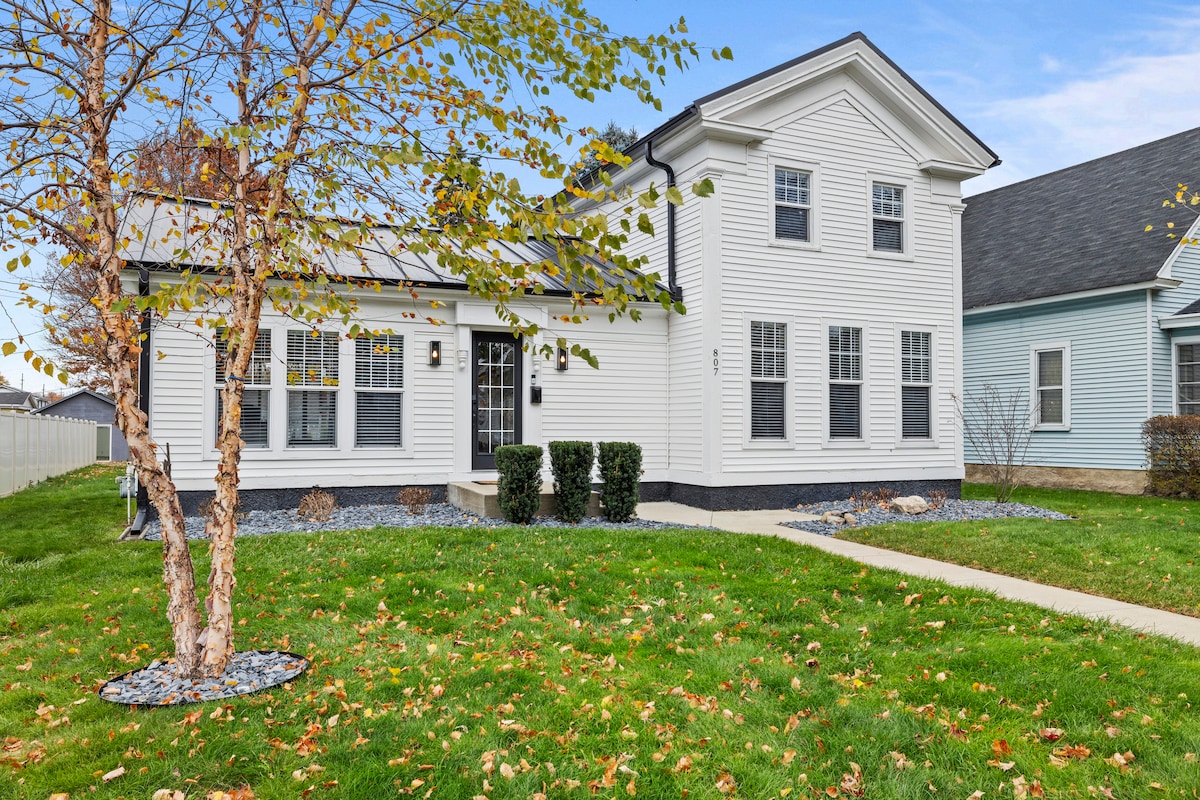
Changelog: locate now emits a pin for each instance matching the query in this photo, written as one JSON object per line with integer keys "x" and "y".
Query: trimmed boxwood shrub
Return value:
{"x": 621, "y": 470}
{"x": 571, "y": 463}
{"x": 1172, "y": 455}
{"x": 520, "y": 490}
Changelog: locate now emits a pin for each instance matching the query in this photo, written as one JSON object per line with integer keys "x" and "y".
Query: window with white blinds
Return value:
{"x": 793, "y": 204}
{"x": 768, "y": 380}
{"x": 887, "y": 218}
{"x": 845, "y": 382}
{"x": 916, "y": 384}
{"x": 1187, "y": 388}
{"x": 1051, "y": 386}
{"x": 256, "y": 396}
{"x": 312, "y": 377}
{"x": 379, "y": 391}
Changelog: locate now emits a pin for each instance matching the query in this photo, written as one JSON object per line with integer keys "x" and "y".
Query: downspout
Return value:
{"x": 675, "y": 292}
{"x": 144, "y": 361}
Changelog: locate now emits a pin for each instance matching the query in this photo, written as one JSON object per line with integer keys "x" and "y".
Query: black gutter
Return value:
{"x": 675, "y": 291}
{"x": 144, "y": 361}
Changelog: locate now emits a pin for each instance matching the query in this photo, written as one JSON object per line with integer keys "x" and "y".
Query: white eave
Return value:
{"x": 1157, "y": 283}
{"x": 1179, "y": 321}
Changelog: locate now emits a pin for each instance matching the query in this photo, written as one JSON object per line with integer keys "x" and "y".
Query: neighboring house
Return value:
{"x": 1070, "y": 300}
{"x": 19, "y": 400}
{"x": 86, "y": 404}
{"x": 819, "y": 352}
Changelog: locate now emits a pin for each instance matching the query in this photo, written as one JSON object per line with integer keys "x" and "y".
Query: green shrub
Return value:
{"x": 621, "y": 470}
{"x": 520, "y": 491}
{"x": 1172, "y": 455}
{"x": 571, "y": 463}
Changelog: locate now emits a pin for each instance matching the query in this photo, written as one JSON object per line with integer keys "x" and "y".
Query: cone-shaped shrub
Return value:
{"x": 571, "y": 463}
{"x": 520, "y": 490}
{"x": 621, "y": 471}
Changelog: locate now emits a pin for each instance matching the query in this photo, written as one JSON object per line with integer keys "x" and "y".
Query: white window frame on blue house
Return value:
{"x": 1175, "y": 343}
{"x": 1035, "y": 389}
{"x": 813, "y": 171}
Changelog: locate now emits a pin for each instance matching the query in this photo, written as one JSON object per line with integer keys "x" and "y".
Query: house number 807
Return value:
{"x": 716, "y": 361}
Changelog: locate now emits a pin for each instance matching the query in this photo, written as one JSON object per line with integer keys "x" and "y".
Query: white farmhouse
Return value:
{"x": 819, "y": 353}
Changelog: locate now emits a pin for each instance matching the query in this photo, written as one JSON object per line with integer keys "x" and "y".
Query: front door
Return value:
{"x": 495, "y": 396}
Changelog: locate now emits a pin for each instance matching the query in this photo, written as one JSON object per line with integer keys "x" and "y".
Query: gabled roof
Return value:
{"x": 12, "y": 397}
{"x": 46, "y": 408}
{"x": 1188, "y": 310}
{"x": 1079, "y": 229}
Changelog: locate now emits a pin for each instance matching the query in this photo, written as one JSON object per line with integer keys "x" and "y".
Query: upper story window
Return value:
{"x": 768, "y": 380}
{"x": 1187, "y": 388}
{"x": 1052, "y": 387}
{"x": 793, "y": 205}
{"x": 312, "y": 378}
{"x": 916, "y": 384}
{"x": 887, "y": 218}
{"x": 256, "y": 395}
{"x": 379, "y": 391}
{"x": 845, "y": 382}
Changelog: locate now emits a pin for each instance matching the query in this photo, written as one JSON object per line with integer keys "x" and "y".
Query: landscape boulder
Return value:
{"x": 908, "y": 505}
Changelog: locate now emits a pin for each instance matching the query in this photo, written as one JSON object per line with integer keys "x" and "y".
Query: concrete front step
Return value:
{"x": 481, "y": 499}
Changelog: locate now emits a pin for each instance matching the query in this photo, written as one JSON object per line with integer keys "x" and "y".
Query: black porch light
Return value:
{"x": 435, "y": 353}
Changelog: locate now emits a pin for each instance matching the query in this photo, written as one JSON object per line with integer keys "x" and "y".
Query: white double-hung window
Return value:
{"x": 1187, "y": 386}
{"x": 916, "y": 384}
{"x": 793, "y": 205}
{"x": 887, "y": 218}
{"x": 256, "y": 396}
{"x": 768, "y": 380}
{"x": 312, "y": 378}
{"x": 379, "y": 391}
{"x": 845, "y": 382}
{"x": 1051, "y": 381}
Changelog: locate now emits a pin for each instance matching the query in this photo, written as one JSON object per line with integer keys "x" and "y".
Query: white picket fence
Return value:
{"x": 35, "y": 447}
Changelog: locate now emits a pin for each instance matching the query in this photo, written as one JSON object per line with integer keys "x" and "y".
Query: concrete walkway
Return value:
{"x": 1150, "y": 620}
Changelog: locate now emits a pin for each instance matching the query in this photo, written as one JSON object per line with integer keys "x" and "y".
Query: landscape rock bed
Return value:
{"x": 248, "y": 672}
{"x": 257, "y": 523}
{"x": 950, "y": 511}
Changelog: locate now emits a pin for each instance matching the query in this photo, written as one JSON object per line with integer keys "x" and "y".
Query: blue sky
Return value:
{"x": 1044, "y": 84}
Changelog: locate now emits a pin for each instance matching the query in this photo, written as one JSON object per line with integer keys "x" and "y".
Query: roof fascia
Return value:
{"x": 1179, "y": 321}
{"x": 1157, "y": 283}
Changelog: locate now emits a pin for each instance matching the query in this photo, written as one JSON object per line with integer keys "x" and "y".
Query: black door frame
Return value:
{"x": 487, "y": 461}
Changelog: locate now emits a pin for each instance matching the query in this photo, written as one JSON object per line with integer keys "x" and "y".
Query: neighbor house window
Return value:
{"x": 793, "y": 204}
{"x": 379, "y": 391}
{"x": 256, "y": 396}
{"x": 1051, "y": 390}
{"x": 768, "y": 380}
{"x": 845, "y": 382}
{"x": 1188, "y": 384}
{"x": 312, "y": 378}
{"x": 887, "y": 218}
{"x": 916, "y": 384}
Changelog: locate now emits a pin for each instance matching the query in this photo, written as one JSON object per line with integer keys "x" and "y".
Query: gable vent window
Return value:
{"x": 312, "y": 378}
{"x": 793, "y": 204}
{"x": 379, "y": 395}
{"x": 845, "y": 382}
{"x": 256, "y": 395}
{"x": 768, "y": 380}
{"x": 887, "y": 218}
{"x": 916, "y": 384}
{"x": 1188, "y": 387}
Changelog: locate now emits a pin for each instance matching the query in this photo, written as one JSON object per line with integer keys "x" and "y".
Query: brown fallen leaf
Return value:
{"x": 112, "y": 775}
{"x": 726, "y": 784}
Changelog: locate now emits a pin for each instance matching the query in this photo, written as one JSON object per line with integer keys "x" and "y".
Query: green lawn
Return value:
{"x": 521, "y": 663}
{"x": 1141, "y": 549}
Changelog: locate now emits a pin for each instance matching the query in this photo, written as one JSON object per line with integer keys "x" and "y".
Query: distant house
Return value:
{"x": 86, "y": 404}
{"x": 819, "y": 352}
{"x": 1069, "y": 299}
{"x": 19, "y": 400}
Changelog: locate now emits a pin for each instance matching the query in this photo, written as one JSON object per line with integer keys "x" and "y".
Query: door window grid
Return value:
{"x": 496, "y": 381}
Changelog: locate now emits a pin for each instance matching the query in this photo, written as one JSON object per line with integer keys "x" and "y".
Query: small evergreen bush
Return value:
{"x": 621, "y": 470}
{"x": 571, "y": 463}
{"x": 1172, "y": 455}
{"x": 520, "y": 491}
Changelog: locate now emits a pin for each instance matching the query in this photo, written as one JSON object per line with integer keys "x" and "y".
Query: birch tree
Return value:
{"x": 339, "y": 116}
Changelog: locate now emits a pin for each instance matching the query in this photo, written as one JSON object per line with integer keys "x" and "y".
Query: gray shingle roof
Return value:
{"x": 1077, "y": 229}
{"x": 1193, "y": 308}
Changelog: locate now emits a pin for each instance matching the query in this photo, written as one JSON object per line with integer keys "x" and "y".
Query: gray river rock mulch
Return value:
{"x": 248, "y": 671}
{"x": 258, "y": 523}
{"x": 950, "y": 511}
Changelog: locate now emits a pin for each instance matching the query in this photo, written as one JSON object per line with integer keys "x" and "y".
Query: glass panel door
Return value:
{"x": 496, "y": 396}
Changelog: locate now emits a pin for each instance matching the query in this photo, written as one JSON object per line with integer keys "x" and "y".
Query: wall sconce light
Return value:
{"x": 435, "y": 354}
{"x": 561, "y": 366}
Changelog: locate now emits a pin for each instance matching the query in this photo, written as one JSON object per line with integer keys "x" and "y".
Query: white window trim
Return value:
{"x": 814, "y": 206}
{"x": 1034, "y": 402}
{"x": 934, "y": 406}
{"x": 339, "y": 425}
{"x": 349, "y": 356}
{"x": 100, "y": 425}
{"x": 1175, "y": 342}
{"x": 906, "y": 226}
{"x": 789, "y": 392}
{"x": 212, "y": 386}
{"x": 864, "y": 441}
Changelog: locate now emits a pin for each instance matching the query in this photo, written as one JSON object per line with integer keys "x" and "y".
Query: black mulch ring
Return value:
{"x": 248, "y": 671}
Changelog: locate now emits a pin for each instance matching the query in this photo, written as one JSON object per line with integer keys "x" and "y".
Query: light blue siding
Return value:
{"x": 1107, "y": 337}
{"x": 1165, "y": 303}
